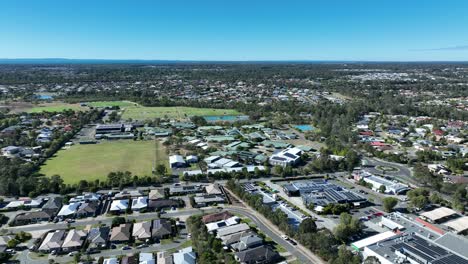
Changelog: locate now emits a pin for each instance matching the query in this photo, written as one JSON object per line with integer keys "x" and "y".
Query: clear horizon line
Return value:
{"x": 218, "y": 60}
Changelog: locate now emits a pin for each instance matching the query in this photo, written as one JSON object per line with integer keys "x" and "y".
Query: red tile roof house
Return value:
{"x": 216, "y": 217}
{"x": 366, "y": 133}
{"x": 438, "y": 132}
{"x": 378, "y": 144}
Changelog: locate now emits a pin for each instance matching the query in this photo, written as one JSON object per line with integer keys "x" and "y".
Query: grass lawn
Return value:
{"x": 111, "y": 103}
{"x": 90, "y": 162}
{"x": 55, "y": 107}
{"x": 142, "y": 112}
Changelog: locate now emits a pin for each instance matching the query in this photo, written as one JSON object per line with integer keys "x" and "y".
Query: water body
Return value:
{"x": 226, "y": 118}
{"x": 304, "y": 128}
{"x": 44, "y": 97}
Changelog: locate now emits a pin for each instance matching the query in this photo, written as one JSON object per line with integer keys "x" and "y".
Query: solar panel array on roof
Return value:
{"x": 424, "y": 251}
{"x": 289, "y": 155}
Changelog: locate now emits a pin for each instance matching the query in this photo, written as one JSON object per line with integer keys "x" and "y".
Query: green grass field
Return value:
{"x": 111, "y": 103}
{"x": 141, "y": 112}
{"x": 55, "y": 107}
{"x": 90, "y": 162}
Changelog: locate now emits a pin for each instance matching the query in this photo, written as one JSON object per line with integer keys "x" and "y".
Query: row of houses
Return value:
{"x": 182, "y": 256}
{"x": 63, "y": 241}
{"x": 93, "y": 204}
{"x": 248, "y": 246}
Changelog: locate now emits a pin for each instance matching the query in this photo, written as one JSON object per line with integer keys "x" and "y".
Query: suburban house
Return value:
{"x": 257, "y": 255}
{"x": 24, "y": 202}
{"x": 121, "y": 233}
{"x": 52, "y": 242}
{"x": 98, "y": 237}
{"x": 68, "y": 210}
{"x": 232, "y": 229}
{"x": 246, "y": 242}
{"x": 118, "y": 206}
{"x": 146, "y": 258}
{"x": 185, "y": 256}
{"x": 156, "y": 205}
{"x": 155, "y": 194}
{"x": 52, "y": 205}
{"x": 162, "y": 228}
{"x": 213, "y": 226}
{"x": 202, "y": 200}
{"x": 216, "y": 217}
{"x": 185, "y": 189}
{"x": 164, "y": 258}
{"x": 110, "y": 261}
{"x": 74, "y": 240}
{"x": 142, "y": 230}
{"x": 33, "y": 217}
{"x": 139, "y": 203}
{"x": 87, "y": 209}
{"x": 214, "y": 188}
{"x": 228, "y": 240}
{"x": 127, "y": 194}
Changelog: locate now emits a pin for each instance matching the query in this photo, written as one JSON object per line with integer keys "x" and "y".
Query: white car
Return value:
{"x": 285, "y": 237}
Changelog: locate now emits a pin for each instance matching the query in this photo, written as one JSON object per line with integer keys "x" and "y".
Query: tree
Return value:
{"x": 389, "y": 203}
{"x": 347, "y": 227}
{"x": 371, "y": 260}
{"x": 12, "y": 243}
{"x": 307, "y": 226}
{"x": 118, "y": 220}
{"x": 382, "y": 189}
{"x": 345, "y": 256}
{"x": 161, "y": 169}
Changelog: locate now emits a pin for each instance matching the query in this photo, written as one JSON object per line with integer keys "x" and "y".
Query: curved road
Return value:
{"x": 403, "y": 172}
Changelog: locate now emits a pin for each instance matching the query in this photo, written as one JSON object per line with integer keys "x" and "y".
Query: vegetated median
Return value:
{"x": 96, "y": 161}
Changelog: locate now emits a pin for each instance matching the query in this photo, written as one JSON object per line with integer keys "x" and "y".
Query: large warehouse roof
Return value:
{"x": 438, "y": 213}
{"x": 358, "y": 245}
{"x": 459, "y": 225}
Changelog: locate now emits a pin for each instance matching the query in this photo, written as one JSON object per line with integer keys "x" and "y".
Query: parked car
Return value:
{"x": 126, "y": 247}
{"x": 73, "y": 253}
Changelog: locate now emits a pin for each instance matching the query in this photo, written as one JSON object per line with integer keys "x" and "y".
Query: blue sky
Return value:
{"x": 235, "y": 30}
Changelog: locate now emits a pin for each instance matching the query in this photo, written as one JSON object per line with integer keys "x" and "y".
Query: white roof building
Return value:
{"x": 223, "y": 223}
{"x": 459, "y": 225}
{"x": 438, "y": 214}
{"x": 69, "y": 209}
{"x": 185, "y": 256}
{"x": 139, "y": 203}
{"x": 289, "y": 156}
{"x": 359, "y": 245}
{"x": 118, "y": 205}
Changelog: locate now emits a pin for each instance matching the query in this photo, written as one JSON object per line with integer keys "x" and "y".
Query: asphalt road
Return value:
{"x": 402, "y": 173}
{"x": 275, "y": 235}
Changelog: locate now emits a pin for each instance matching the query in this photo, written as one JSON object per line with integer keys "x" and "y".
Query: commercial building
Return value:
{"x": 286, "y": 157}
{"x": 321, "y": 193}
{"x": 459, "y": 225}
{"x": 377, "y": 182}
{"x": 438, "y": 215}
{"x": 177, "y": 161}
{"x": 411, "y": 248}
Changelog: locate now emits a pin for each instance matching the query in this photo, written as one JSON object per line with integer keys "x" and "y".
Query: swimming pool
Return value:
{"x": 304, "y": 127}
